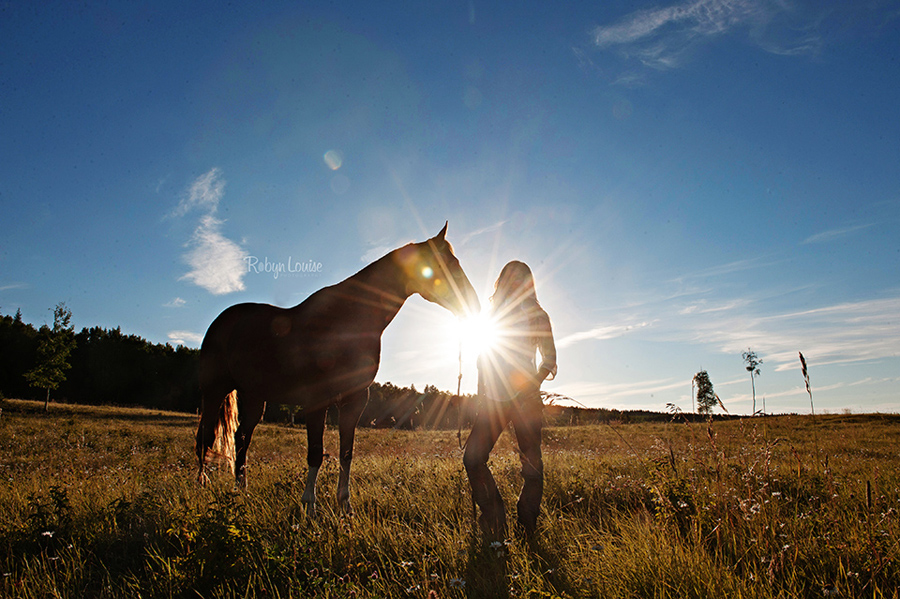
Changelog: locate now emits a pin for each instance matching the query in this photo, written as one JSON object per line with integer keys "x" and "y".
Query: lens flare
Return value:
{"x": 334, "y": 159}
{"x": 477, "y": 334}
{"x": 427, "y": 272}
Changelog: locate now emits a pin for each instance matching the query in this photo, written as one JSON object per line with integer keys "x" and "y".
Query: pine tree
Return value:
{"x": 706, "y": 397}
{"x": 54, "y": 348}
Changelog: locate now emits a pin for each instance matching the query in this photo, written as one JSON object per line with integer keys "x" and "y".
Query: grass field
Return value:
{"x": 102, "y": 502}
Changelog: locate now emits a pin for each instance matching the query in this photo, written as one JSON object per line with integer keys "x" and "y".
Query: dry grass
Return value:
{"x": 102, "y": 502}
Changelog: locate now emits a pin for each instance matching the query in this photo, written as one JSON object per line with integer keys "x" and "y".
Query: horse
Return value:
{"x": 324, "y": 351}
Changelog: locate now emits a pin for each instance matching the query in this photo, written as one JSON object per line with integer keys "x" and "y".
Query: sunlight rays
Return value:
{"x": 476, "y": 334}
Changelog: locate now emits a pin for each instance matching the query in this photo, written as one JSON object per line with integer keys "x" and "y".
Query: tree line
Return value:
{"x": 94, "y": 366}
{"x": 108, "y": 367}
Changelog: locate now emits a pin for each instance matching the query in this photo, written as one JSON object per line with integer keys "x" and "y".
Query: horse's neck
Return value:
{"x": 380, "y": 286}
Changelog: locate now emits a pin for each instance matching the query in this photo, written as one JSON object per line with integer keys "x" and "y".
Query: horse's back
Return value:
{"x": 300, "y": 355}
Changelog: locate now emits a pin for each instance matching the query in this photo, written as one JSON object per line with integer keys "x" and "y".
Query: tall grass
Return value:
{"x": 103, "y": 502}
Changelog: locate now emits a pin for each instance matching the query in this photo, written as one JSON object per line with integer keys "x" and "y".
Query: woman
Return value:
{"x": 509, "y": 386}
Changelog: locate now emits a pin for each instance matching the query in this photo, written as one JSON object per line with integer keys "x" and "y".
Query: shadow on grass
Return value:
{"x": 487, "y": 572}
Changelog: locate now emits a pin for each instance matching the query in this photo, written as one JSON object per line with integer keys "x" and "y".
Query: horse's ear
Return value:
{"x": 440, "y": 236}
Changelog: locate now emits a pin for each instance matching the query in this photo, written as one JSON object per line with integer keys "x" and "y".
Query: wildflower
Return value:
{"x": 48, "y": 533}
{"x": 406, "y": 564}
{"x": 413, "y": 589}
{"x": 457, "y": 583}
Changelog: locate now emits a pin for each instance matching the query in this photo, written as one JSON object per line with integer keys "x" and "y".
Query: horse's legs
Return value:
{"x": 315, "y": 431}
{"x": 251, "y": 410}
{"x": 351, "y": 409}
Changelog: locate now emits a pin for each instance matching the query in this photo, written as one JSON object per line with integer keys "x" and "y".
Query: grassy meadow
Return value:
{"x": 103, "y": 502}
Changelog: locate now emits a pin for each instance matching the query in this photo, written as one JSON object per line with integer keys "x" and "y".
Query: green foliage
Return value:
{"x": 53, "y": 351}
{"x": 706, "y": 396}
{"x": 107, "y": 367}
{"x": 752, "y": 360}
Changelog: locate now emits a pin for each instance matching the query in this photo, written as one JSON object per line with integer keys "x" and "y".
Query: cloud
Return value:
{"x": 203, "y": 194}
{"x": 843, "y": 333}
{"x": 488, "y": 229}
{"x": 376, "y": 252}
{"x": 832, "y": 234}
{"x": 13, "y": 286}
{"x": 600, "y": 332}
{"x": 660, "y": 38}
{"x": 216, "y": 262}
{"x": 185, "y": 337}
{"x": 175, "y": 303}
{"x": 726, "y": 269}
{"x": 609, "y": 392}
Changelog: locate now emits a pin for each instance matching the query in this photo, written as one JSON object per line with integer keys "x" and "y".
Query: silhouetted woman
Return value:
{"x": 509, "y": 384}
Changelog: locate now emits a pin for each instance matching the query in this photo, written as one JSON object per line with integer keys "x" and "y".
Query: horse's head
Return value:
{"x": 433, "y": 272}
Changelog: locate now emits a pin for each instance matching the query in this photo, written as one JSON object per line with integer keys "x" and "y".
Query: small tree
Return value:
{"x": 753, "y": 362}
{"x": 54, "y": 347}
{"x": 706, "y": 397}
{"x": 291, "y": 410}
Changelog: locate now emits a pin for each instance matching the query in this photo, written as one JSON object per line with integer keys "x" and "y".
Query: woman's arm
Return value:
{"x": 544, "y": 335}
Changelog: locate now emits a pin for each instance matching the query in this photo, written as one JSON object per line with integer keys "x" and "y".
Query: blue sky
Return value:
{"x": 687, "y": 179}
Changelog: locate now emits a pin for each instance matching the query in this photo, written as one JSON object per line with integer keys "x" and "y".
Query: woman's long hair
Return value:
{"x": 514, "y": 288}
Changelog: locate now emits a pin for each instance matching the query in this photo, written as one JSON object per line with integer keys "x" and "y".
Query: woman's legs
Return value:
{"x": 489, "y": 423}
{"x": 527, "y": 419}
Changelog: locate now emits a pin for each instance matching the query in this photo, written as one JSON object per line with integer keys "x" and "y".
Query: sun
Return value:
{"x": 477, "y": 334}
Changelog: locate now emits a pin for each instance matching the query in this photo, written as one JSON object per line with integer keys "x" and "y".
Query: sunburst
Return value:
{"x": 477, "y": 334}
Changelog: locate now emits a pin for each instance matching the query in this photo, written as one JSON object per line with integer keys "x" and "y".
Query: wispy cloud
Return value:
{"x": 185, "y": 338}
{"x": 377, "y": 251}
{"x": 13, "y": 286}
{"x": 620, "y": 391}
{"x": 216, "y": 262}
{"x": 175, "y": 303}
{"x": 601, "y": 332}
{"x": 488, "y": 229}
{"x": 832, "y": 234}
{"x": 204, "y": 194}
{"x": 727, "y": 269}
{"x": 844, "y": 333}
{"x": 660, "y": 38}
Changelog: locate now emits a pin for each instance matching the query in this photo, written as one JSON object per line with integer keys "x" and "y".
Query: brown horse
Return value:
{"x": 323, "y": 351}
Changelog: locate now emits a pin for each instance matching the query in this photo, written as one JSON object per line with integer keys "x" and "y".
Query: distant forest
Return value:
{"x": 109, "y": 367}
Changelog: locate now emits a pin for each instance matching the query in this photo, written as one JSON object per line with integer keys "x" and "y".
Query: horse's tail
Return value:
{"x": 221, "y": 445}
